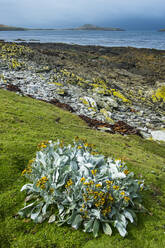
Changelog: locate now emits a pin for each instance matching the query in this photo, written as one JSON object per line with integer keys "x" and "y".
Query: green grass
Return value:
{"x": 24, "y": 122}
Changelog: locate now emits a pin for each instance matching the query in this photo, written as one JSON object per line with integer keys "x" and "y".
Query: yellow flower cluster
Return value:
{"x": 83, "y": 144}
{"x": 116, "y": 187}
{"x": 41, "y": 182}
{"x": 69, "y": 183}
{"x": 88, "y": 183}
{"x": 108, "y": 182}
{"x": 98, "y": 185}
{"x": 100, "y": 199}
{"x": 109, "y": 197}
{"x": 28, "y": 170}
{"x": 61, "y": 144}
{"x": 87, "y": 145}
{"x": 94, "y": 172}
{"x": 126, "y": 172}
{"x": 43, "y": 144}
{"x": 126, "y": 198}
{"x": 106, "y": 211}
{"x": 82, "y": 179}
{"x": 104, "y": 201}
{"x": 31, "y": 161}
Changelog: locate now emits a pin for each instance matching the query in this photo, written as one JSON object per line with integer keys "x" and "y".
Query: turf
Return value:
{"x": 24, "y": 122}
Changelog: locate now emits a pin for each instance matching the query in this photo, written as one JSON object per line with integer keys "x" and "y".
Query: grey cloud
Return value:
{"x": 66, "y": 13}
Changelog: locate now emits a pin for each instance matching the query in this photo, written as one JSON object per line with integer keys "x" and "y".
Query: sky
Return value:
{"x": 127, "y": 14}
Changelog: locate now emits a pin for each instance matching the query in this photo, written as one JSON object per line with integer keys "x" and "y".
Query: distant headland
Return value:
{"x": 11, "y": 28}
{"x": 161, "y": 30}
{"x": 93, "y": 27}
{"x": 83, "y": 27}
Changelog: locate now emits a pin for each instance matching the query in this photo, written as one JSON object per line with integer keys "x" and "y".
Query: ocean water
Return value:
{"x": 140, "y": 39}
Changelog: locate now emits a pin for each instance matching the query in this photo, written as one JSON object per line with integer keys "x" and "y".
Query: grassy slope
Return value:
{"x": 24, "y": 122}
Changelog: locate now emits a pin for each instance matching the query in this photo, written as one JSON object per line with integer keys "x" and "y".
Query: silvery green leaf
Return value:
{"x": 133, "y": 214}
{"x": 40, "y": 219}
{"x": 22, "y": 212}
{"x": 112, "y": 213}
{"x": 88, "y": 226}
{"x": 73, "y": 165}
{"x": 96, "y": 226}
{"x": 41, "y": 158}
{"x": 46, "y": 197}
{"x": 128, "y": 215}
{"x": 95, "y": 213}
{"x": 61, "y": 182}
{"x": 36, "y": 211}
{"x": 122, "y": 219}
{"x": 28, "y": 206}
{"x": 60, "y": 208}
{"x": 84, "y": 171}
{"x": 77, "y": 221}
{"x": 52, "y": 218}
{"x": 89, "y": 166}
{"x": 98, "y": 160}
{"x": 115, "y": 174}
{"x": 80, "y": 159}
{"x": 72, "y": 217}
{"x": 71, "y": 208}
{"x": 69, "y": 198}
{"x": 45, "y": 208}
{"x": 61, "y": 222}
{"x": 120, "y": 228}
{"x": 107, "y": 229}
{"x": 57, "y": 175}
{"x": 29, "y": 197}
{"x": 27, "y": 186}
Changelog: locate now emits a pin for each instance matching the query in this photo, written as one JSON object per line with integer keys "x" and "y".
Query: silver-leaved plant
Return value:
{"x": 75, "y": 185}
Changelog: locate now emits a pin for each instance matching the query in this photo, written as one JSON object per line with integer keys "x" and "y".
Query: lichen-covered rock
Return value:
{"x": 107, "y": 89}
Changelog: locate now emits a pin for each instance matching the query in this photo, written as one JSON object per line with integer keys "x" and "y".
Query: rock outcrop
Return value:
{"x": 90, "y": 82}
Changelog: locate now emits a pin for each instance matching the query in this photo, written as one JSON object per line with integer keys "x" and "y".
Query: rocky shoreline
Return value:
{"x": 107, "y": 85}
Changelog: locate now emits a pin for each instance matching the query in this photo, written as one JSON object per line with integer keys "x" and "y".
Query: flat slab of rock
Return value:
{"x": 158, "y": 135}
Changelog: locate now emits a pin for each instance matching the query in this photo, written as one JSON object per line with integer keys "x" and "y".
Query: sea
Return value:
{"x": 139, "y": 39}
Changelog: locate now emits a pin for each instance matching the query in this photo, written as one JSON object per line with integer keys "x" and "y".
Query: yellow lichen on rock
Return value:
{"x": 159, "y": 94}
{"x": 120, "y": 95}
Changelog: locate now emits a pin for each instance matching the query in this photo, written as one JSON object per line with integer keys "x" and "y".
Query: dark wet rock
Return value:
{"x": 62, "y": 105}
{"x": 12, "y": 87}
{"x": 119, "y": 127}
{"x": 123, "y": 128}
